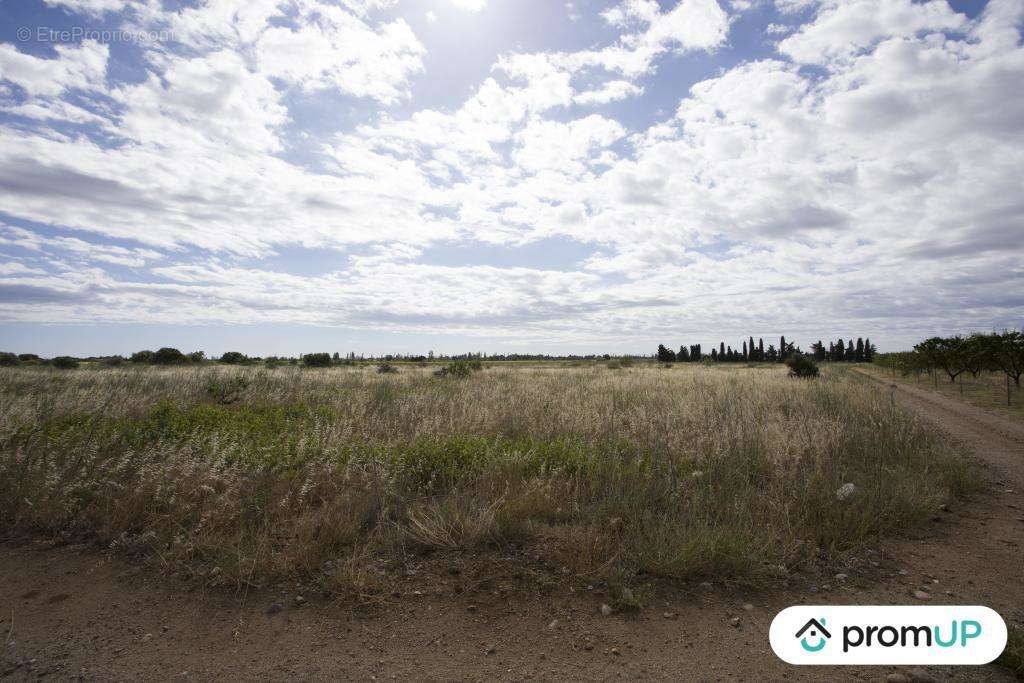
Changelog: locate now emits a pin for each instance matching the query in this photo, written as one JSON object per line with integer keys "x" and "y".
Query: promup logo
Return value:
{"x": 817, "y": 630}
{"x": 888, "y": 635}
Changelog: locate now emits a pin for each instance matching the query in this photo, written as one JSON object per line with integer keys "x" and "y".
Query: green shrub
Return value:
{"x": 386, "y": 369}
{"x": 168, "y": 356}
{"x": 142, "y": 357}
{"x": 8, "y": 359}
{"x": 317, "y": 360}
{"x": 460, "y": 369}
{"x": 234, "y": 358}
{"x": 227, "y": 391}
{"x": 64, "y": 362}
{"x": 801, "y": 366}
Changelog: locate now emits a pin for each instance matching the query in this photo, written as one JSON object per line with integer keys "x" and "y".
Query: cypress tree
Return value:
{"x": 782, "y": 348}
{"x": 745, "y": 357}
{"x": 760, "y": 348}
{"x": 683, "y": 356}
{"x": 714, "y": 355}
{"x": 869, "y": 351}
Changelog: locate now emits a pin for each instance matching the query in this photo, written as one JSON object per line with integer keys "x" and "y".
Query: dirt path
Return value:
{"x": 69, "y": 612}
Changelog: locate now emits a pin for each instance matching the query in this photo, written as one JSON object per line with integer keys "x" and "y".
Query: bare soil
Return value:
{"x": 69, "y": 612}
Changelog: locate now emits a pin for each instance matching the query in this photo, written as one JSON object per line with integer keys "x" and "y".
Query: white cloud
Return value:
{"x": 335, "y": 49}
{"x": 843, "y": 28}
{"x": 83, "y": 66}
{"x": 210, "y": 100}
{"x": 690, "y": 25}
{"x": 612, "y": 91}
{"x": 94, "y": 7}
{"x": 549, "y": 145}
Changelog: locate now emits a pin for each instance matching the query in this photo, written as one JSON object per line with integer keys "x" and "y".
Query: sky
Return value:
{"x": 397, "y": 176}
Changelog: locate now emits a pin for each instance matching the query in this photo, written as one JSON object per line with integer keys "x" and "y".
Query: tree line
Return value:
{"x": 995, "y": 351}
{"x": 171, "y": 356}
{"x": 839, "y": 351}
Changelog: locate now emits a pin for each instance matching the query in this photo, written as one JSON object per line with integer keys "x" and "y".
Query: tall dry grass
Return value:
{"x": 245, "y": 475}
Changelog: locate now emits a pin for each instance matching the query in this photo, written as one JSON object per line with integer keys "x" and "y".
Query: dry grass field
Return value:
{"x": 240, "y": 476}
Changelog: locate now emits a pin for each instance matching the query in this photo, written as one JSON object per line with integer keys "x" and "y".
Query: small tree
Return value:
{"x": 1007, "y": 351}
{"x": 65, "y": 362}
{"x": 168, "y": 356}
{"x": 317, "y": 360}
{"x": 948, "y": 353}
{"x": 801, "y": 366}
{"x": 666, "y": 355}
{"x": 142, "y": 357}
{"x": 234, "y": 358}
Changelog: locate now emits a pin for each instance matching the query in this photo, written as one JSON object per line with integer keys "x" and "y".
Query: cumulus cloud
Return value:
{"x": 83, "y": 67}
{"x": 841, "y": 29}
{"x": 612, "y": 91}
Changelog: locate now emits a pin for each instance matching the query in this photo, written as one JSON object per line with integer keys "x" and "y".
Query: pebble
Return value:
{"x": 846, "y": 490}
{"x": 921, "y": 595}
{"x": 491, "y": 649}
{"x": 706, "y": 585}
{"x": 897, "y": 678}
{"x": 735, "y": 622}
{"x": 842, "y": 577}
{"x": 747, "y": 607}
{"x": 615, "y": 651}
{"x": 553, "y": 625}
{"x": 606, "y": 610}
{"x": 470, "y": 608}
{"x": 588, "y": 646}
{"x": 669, "y": 615}
{"x": 299, "y": 600}
{"x": 921, "y": 676}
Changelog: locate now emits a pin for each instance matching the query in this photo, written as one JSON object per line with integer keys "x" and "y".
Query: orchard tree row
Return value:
{"x": 997, "y": 352}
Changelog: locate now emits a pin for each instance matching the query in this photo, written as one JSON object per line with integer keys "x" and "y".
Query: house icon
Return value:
{"x": 817, "y": 630}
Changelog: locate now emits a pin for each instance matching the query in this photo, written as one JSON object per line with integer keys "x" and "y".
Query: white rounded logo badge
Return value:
{"x": 900, "y": 635}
